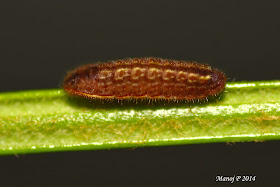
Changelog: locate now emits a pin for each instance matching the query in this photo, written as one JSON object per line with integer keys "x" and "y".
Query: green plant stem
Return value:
{"x": 47, "y": 120}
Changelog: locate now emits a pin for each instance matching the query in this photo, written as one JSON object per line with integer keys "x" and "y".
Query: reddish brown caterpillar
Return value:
{"x": 145, "y": 78}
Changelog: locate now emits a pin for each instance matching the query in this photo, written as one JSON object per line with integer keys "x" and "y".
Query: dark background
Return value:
{"x": 41, "y": 40}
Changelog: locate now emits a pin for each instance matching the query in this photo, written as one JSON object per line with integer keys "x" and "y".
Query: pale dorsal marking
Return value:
{"x": 193, "y": 77}
{"x": 181, "y": 76}
{"x": 105, "y": 74}
{"x": 168, "y": 74}
{"x": 154, "y": 73}
{"x": 204, "y": 79}
{"x": 137, "y": 72}
{"x": 121, "y": 73}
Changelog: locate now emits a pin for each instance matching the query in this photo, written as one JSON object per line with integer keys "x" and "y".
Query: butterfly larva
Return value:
{"x": 145, "y": 78}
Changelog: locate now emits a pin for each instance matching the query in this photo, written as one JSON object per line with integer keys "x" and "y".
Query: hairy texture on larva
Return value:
{"x": 148, "y": 78}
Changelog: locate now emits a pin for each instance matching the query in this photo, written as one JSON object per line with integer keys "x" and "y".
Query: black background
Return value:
{"x": 41, "y": 40}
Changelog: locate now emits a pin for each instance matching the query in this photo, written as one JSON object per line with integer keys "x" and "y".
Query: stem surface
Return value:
{"x": 49, "y": 120}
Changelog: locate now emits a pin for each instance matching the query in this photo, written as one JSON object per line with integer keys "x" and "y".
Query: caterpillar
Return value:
{"x": 145, "y": 78}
